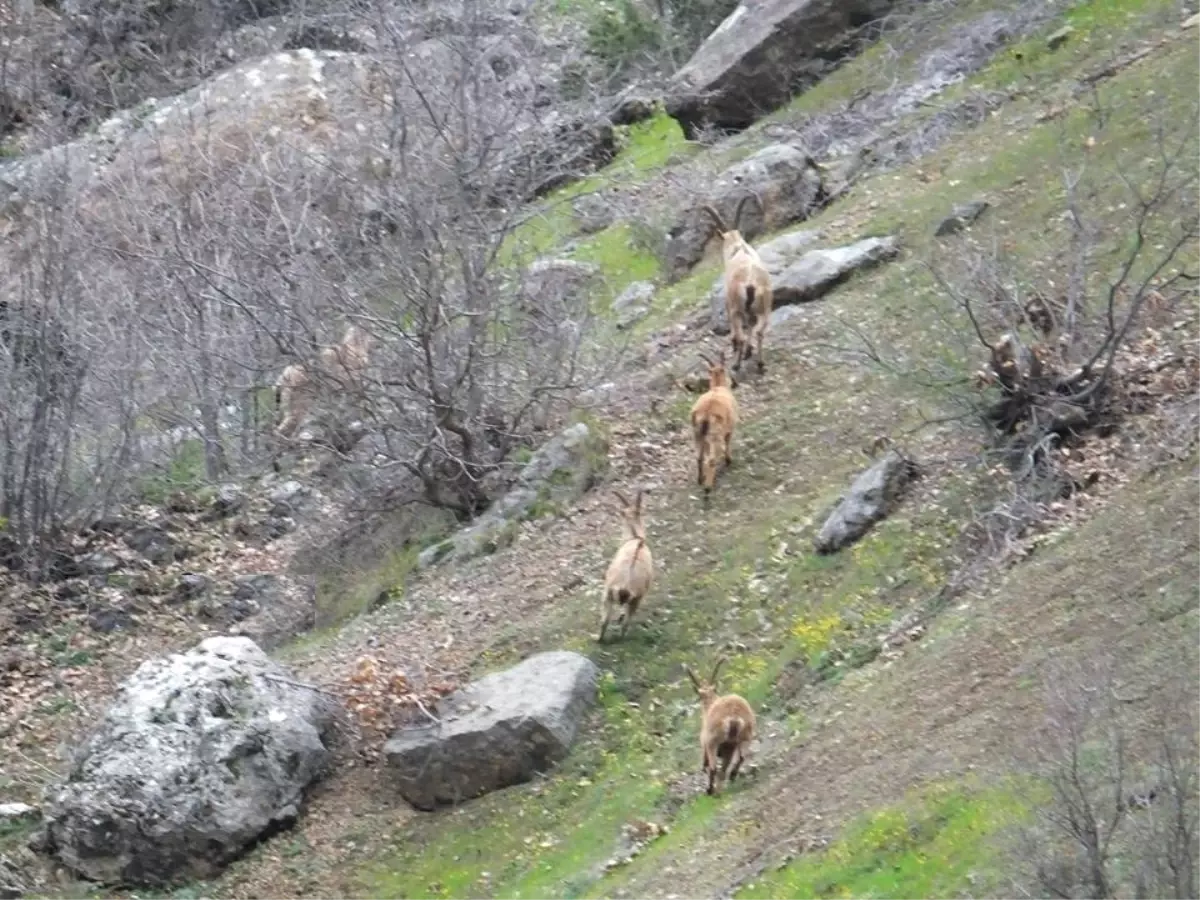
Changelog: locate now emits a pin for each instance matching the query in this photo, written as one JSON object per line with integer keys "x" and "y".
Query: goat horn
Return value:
{"x": 737, "y": 216}
{"x": 637, "y": 501}
{"x": 717, "y": 668}
{"x": 706, "y": 359}
{"x": 692, "y": 675}
{"x": 715, "y": 216}
{"x": 622, "y": 498}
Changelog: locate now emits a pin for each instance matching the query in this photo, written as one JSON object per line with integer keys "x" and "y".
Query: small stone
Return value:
{"x": 1058, "y": 38}
{"x": 17, "y": 812}
{"x": 960, "y": 217}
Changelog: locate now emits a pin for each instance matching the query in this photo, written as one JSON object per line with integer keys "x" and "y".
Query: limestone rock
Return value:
{"x": 496, "y": 732}
{"x": 201, "y": 754}
{"x": 871, "y": 497}
{"x": 785, "y": 179}
{"x": 761, "y": 55}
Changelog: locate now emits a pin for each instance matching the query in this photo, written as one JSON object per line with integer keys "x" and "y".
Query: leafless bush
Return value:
{"x": 1061, "y": 352}
{"x": 1115, "y": 802}
{"x": 226, "y": 239}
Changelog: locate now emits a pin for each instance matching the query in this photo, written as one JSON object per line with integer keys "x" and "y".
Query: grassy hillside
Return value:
{"x": 881, "y": 770}
{"x": 843, "y": 749}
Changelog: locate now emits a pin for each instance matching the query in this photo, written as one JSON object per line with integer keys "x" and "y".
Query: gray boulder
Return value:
{"x": 593, "y": 213}
{"x": 801, "y": 277}
{"x": 152, "y": 543}
{"x": 496, "y": 732}
{"x": 765, "y": 52}
{"x": 557, "y": 474}
{"x": 808, "y": 277}
{"x": 557, "y": 287}
{"x": 785, "y": 179}
{"x": 961, "y": 216}
{"x": 872, "y": 496}
{"x": 639, "y": 293}
{"x": 14, "y": 882}
{"x": 201, "y": 754}
{"x": 817, "y": 272}
{"x": 633, "y": 304}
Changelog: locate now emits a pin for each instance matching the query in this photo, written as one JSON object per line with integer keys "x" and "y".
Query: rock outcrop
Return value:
{"x": 787, "y": 182}
{"x": 202, "y": 754}
{"x": 808, "y": 276}
{"x": 496, "y": 732}
{"x": 559, "y": 472}
{"x": 764, "y": 52}
{"x": 871, "y": 497}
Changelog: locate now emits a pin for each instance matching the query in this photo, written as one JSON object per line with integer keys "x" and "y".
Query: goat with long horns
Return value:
{"x": 749, "y": 297}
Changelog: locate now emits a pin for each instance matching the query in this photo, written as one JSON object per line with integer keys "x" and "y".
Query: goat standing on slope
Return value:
{"x": 726, "y": 729}
{"x": 714, "y": 417}
{"x": 343, "y": 364}
{"x": 749, "y": 297}
{"x": 631, "y": 571}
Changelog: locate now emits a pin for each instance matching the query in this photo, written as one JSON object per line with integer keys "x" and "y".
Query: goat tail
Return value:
{"x": 622, "y": 596}
{"x": 750, "y": 312}
{"x": 733, "y": 727}
{"x": 701, "y": 428}
{"x": 636, "y": 550}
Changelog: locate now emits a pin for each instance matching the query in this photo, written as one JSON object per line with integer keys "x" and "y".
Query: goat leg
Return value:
{"x": 737, "y": 766}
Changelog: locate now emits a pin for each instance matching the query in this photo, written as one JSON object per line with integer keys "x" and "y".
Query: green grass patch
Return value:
{"x": 944, "y": 842}
{"x": 1098, "y": 28}
{"x": 552, "y": 838}
{"x": 647, "y": 147}
{"x": 623, "y": 254}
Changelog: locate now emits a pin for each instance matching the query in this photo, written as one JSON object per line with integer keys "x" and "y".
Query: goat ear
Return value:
{"x": 692, "y": 675}
{"x": 717, "y": 668}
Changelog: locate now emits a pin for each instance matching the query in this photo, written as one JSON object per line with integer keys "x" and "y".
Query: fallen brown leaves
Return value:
{"x": 383, "y": 697}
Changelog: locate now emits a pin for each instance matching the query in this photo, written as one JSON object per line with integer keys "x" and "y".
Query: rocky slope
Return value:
{"x": 906, "y": 660}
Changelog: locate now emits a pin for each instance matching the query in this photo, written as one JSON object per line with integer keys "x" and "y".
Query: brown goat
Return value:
{"x": 294, "y": 395}
{"x": 726, "y": 729}
{"x": 714, "y": 417}
{"x": 340, "y": 367}
{"x": 346, "y": 361}
{"x": 749, "y": 296}
{"x": 631, "y": 571}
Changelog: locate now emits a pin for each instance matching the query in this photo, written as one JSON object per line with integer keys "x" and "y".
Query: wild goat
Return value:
{"x": 631, "y": 571}
{"x": 714, "y": 416}
{"x": 342, "y": 365}
{"x": 748, "y": 293}
{"x": 726, "y": 728}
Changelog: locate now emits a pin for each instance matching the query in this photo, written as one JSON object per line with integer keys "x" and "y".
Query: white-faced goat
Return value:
{"x": 340, "y": 367}
{"x": 726, "y": 729}
{"x": 714, "y": 416}
{"x": 749, "y": 296}
{"x": 631, "y": 571}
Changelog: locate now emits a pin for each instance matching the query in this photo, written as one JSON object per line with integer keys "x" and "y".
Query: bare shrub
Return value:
{"x": 213, "y": 249}
{"x": 1115, "y": 807}
{"x": 1059, "y": 352}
